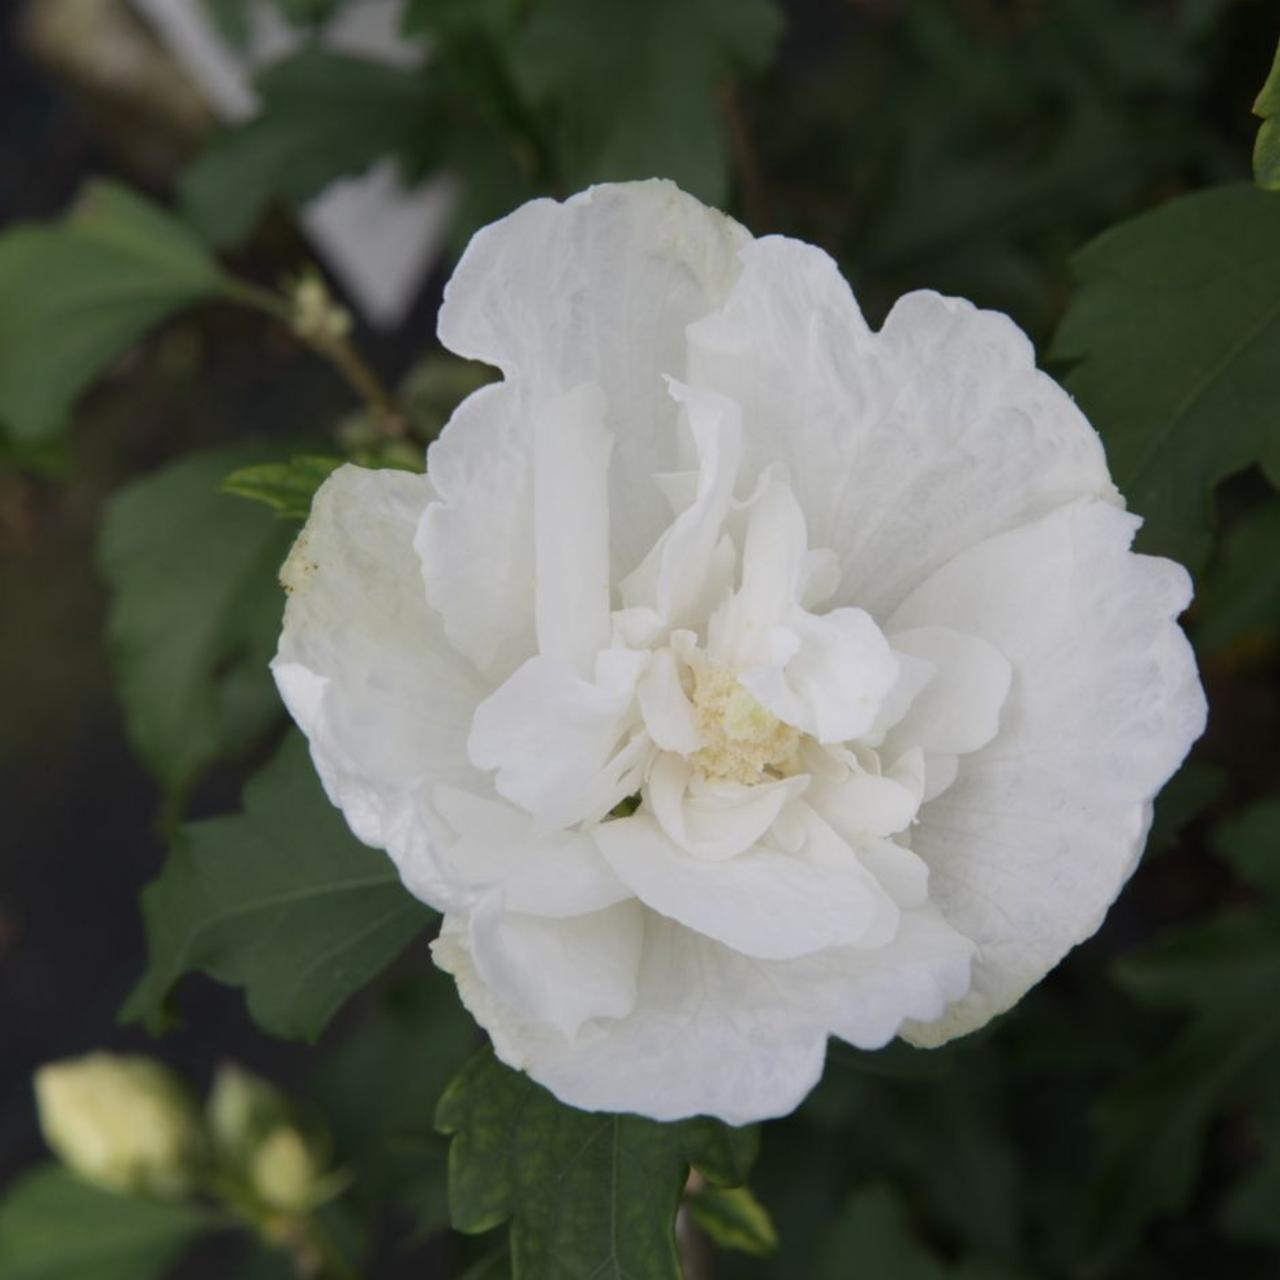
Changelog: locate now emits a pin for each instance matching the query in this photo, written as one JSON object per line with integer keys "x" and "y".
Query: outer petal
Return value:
{"x": 598, "y": 289}
{"x": 1032, "y": 843}
{"x": 717, "y": 1033}
{"x": 365, "y": 670}
{"x": 904, "y": 446}
{"x": 564, "y": 971}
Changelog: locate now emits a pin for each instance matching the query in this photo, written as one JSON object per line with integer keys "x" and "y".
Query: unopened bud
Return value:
{"x": 241, "y": 1110}
{"x": 317, "y": 318}
{"x": 123, "y": 1124}
{"x": 284, "y": 1171}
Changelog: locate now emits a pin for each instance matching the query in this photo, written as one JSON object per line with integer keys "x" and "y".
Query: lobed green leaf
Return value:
{"x": 1174, "y": 336}
{"x": 281, "y": 900}
{"x": 588, "y": 1194}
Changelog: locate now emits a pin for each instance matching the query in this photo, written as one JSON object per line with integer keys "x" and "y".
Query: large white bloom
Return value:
{"x": 851, "y": 615}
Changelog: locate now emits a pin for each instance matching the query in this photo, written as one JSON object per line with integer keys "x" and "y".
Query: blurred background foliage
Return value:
{"x": 1125, "y": 1121}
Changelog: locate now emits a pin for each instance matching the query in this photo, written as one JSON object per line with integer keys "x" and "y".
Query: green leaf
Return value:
{"x": 1249, "y": 1212}
{"x": 418, "y": 1037}
{"x": 54, "y": 1227}
{"x": 1250, "y": 841}
{"x": 76, "y": 295}
{"x": 1153, "y": 1125}
{"x": 1266, "y": 150}
{"x": 1185, "y": 797}
{"x": 873, "y": 1238}
{"x": 286, "y": 487}
{"x": 281, "y": 900}
{"x": 1175, "y": 338}
{"x": 631, "y": 91}
{"x": 1240, "y": 599}
{"x": 324, "y": 115}
{"x": 588, "y": 1194}
{"x": 195, "y": 614}
{"x": 733, "y": 1218}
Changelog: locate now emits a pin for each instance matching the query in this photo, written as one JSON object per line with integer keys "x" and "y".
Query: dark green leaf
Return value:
{"x": 54, "y": 1227}
{"x": 588, "y": 1194}
{"x": 1250, "y": 1210}
{"x": 286, "y": 487}
{"x": 1266, "y": 150}
{"x": 1153, "y": 1125}
{"x": 631, "y": 91}
{"x": 1240, "y": 600}
{"x": 416, "y": 1040}
{"x": 76, "y": 295}
{"x": 873, "y": 1238}
{"x": 1175, "y": 338}
{"x": 324, "y": 115}
{"x": 195, "y": 613}
{"x": 281, "y": 900}
{"x": 1250, "y": 841}
{"x": 1185, "y": 797}
{"x": 733, "y": 1219}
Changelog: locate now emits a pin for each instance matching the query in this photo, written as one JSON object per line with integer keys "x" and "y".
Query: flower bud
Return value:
{"x": 123, "y": 1124}
{"x": 242, "y": 1109}
{"x": 284, "y": 1171}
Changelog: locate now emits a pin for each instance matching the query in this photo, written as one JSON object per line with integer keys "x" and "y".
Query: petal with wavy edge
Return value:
{"x": 492, "y": 844}
{"x": 564, "y": 971}
{"x": 905, "y": 446}
{"x": 1032, "y": 842}
{"x": 682, "y": 570}
{"x": 549, "y": 734}
{"x": 597, "y": 289}
{"x": 761, "y": 903}
{"x": 717, "y": 1033}
{"x": 365, "y": 669}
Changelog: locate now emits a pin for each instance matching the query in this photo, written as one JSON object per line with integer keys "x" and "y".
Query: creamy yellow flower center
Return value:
{"x": 743, "y": 741}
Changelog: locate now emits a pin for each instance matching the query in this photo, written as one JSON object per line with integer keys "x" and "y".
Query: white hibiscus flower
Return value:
{"x": 737, "y": 676}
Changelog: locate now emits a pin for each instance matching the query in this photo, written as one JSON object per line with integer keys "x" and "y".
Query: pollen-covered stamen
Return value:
{"x": 743, "y": 741}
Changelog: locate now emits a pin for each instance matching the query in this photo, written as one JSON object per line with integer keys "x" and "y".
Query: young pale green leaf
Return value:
{"x": 195, "y": 613}
{"x": 733, "y": 1218}
{"x": 76, "y": 295}
{"x": 1174, "y": 335}
{"x": 324, "y": 115}
{"x": 286, "y": 487}
{"x": 588, "y": 1194}
{"x": 1239, "y": 602}
{"x": 632, "y": 91}
{"x": 54, "y": 1227}
{"x": 1266, "y": 149}
{"x": 281, "y": 900}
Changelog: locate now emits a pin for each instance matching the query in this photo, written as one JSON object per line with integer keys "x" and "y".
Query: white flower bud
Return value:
{"x": 123, "y": 1124}
{"x": 284, "y": 1172}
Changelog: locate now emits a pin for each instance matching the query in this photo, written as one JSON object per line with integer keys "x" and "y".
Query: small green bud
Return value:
{"x": 242, "y": 1109}
{"x": 125, "y": 1124}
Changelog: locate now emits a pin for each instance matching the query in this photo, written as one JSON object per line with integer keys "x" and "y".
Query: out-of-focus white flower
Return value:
{"x": 850, "y": 616}
{"x": 123, "y": 1124}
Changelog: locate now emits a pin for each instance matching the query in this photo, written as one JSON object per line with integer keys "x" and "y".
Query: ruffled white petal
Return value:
{"x": 560, "y": 971}
{"x": 1033, "y": 841}
{"x": 367, "y": 673}
{"x": 598, "y": 290}
{"x": 761, "y": 903}
{"x": 906, "y": 446}
{"x": 717, "y": 1033}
